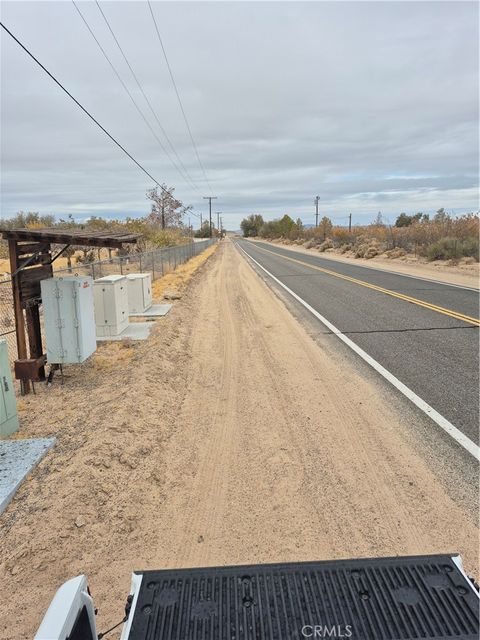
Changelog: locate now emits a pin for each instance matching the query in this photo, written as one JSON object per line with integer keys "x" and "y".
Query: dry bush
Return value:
{"x": 113, "y": 354}
{"x": 452, "y": 249}
{"x": 326, "y": 244}
{"x": 368, "y": 248}
{"x": 395, "y": 253}
{"x": 342, "y": 236}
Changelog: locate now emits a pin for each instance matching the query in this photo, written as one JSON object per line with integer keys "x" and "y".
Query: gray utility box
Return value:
{"x": 139, "y": 292}
{"x": 110, "y": 297}
{"x": 68, "y": 318}
{"x": 8, "y": 402}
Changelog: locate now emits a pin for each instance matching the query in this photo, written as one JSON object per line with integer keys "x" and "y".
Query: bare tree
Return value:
{"x": 166, "y": 211}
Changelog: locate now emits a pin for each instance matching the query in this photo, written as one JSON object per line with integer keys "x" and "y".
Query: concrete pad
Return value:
{"x": 17, "y": 459}
{"x": 134, "y": 331}
{"x": 154, "y": 311}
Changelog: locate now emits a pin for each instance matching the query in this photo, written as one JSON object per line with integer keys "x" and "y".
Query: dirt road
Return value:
{"x": 231, "y": 437}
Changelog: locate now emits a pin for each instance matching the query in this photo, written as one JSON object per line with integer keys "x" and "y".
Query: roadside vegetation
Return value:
{"x": 164, "y": 226}
{"x": 443, "y": 237}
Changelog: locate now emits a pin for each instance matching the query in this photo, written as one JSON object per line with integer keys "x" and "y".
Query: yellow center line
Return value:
{"x": 401, "y": 296}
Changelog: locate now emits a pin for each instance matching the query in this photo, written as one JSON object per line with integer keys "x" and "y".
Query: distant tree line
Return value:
{"x": 442, "y": 237}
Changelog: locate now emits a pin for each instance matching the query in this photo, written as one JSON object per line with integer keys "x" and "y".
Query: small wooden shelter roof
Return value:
{"x": 74, "y": 237}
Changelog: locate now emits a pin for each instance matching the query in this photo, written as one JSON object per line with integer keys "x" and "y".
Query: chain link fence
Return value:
{"x": 158, "y": 263}
{"x": 7, "y": 318}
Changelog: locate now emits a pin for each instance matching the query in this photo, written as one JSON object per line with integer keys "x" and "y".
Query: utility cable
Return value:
{"x": 120, "y": 79}
{"x": 114, "y": 140}
{"x": 144, "y": 94}
{"x": 178, "y": 97}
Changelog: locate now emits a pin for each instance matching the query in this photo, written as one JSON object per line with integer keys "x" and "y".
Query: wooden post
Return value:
{"x": 17, "y": 307}
{"x": 34, "y": 332}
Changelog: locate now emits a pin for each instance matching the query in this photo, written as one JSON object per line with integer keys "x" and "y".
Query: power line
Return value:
{"x": 178, "y": 98}
{"x": 187, "y": 176}
{"x": 120, "y": 79}
{"x": 83, "y": 108}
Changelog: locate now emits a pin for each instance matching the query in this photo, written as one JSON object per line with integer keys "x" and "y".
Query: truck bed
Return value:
{"x": 369, "y": 599}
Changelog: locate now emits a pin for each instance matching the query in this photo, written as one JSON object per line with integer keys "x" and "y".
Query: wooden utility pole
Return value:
{"x": 317, "y": 198}
{"x": 349, "y": 222}
{"x": 210, "y": 198}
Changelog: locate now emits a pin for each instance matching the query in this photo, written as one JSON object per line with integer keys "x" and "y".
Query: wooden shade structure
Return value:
{"x": 31, "y": 261}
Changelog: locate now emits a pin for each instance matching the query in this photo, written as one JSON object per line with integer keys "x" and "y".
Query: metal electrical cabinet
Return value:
{"x": 8, "y": 403}
{"x": 110, "y": 297}
{"x": 68, "y": 318}
{"x": 139, "y": 292}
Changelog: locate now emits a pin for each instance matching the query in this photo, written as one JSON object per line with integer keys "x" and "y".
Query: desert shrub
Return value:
{"x": 360, "y": 250}
{"x": 395, "y": 253}
{"x": 87, "y": 256}
{"x": 470, "y": 248}
{"x": 345, "y": 247}
{"x": 371, "y": 252}
{"x": 367, "y": 248}
{"x": 452, "y": 249}
{"x": 342, "y": 236}
{"x": 326, "y": 244}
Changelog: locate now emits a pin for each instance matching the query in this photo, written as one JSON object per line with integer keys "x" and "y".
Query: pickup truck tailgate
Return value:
{"x": 369, "y": 599}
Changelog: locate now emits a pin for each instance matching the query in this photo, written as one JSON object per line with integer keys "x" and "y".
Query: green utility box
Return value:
{"x": 8, "y": 403}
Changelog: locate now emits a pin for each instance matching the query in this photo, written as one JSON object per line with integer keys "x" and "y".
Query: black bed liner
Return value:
{"x": 369, "y": 599}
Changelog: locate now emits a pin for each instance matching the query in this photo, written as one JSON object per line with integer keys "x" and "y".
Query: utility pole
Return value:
{"x": 163, "y": 216}
{"x": 218, "y": 219}
{"x": 317, "y": 198}
{"x": 349, "y": 222}
{"x": 221, "y": 227}
{"x": 210, "y": 198}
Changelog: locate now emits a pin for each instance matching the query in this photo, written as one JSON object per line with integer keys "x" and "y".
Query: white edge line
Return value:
{"x": 372, "y": 268}
{"x": 442, "y": 422}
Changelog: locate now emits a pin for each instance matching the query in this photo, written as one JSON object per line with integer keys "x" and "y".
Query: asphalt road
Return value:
{"x": 428, "y": 343}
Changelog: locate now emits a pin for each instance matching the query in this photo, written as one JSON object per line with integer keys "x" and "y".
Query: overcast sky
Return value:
{"x": 371, "y": 105}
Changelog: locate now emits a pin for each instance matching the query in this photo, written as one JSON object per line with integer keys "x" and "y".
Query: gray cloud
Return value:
{"x": 372, "y": 105}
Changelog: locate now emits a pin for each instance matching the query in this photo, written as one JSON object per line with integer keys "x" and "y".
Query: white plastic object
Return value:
{"x": 64, "y": 610}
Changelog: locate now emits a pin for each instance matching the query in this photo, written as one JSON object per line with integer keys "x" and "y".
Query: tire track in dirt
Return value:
{"x": 347, "y": 440}
{"x": 204, "y": 516}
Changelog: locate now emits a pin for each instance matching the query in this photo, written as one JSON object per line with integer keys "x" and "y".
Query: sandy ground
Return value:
{"x": 465, "y": 275}
{"x": 224, "y": 439}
